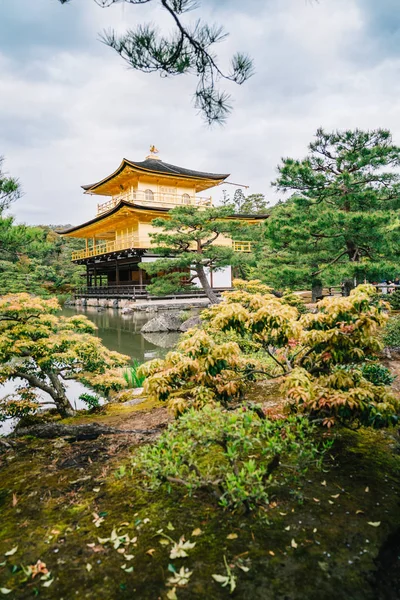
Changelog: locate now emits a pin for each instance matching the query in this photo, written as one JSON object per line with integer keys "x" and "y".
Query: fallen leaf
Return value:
{"x": 287, "y": 528}
{"x": 96, "y": 489}
{"x": 367, "y": 489}
{"x": 359, "y": 512}
{"x": 245, "y": 569}
{"x": 335, "y": 495}
{"x": 146, "y": 521}
{"x": 151, "y": 551}
{"x": 323, "y": 565}
{"x": 316, "y": 499}
{"x": 232, "y": 536}
{"x": 283, "y": 514}
{"x": 197, "y": 532}
{"x": 5, "y": 591}
{"x": 171, "y": 595}
{"x": 323, "y": 482}
{"x": 170, "y": 526}
{"x": 47, "y": 583}
{"x": 164, "y": 542}
{"x": 293, "y": 544}
{"x": 374, "y": 523}
{"x": 89, "y": 567}
{"x": 129, "y": 556}
{"x": 14, "y": 500}
{"x": 331, "y": 502}
{"x": 315, "y": 530}
{"x": 271, "y": 553}
{"x": 11, "y": 552}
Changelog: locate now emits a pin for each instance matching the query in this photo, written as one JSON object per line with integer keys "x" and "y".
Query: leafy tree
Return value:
{"x": 189, "y": 247}
{"x": 254, "y": 204}
{"x": 254, "y": 334}
{"x": 10, "y": 189}
{"x": 189, "y": 50}
{"x": 36, "y": 260}
{"x": 342, "y": 220}
{"x": 45, "y": 350}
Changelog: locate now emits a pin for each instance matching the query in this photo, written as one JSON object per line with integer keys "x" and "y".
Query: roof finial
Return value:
{"x": 153, "y": 153}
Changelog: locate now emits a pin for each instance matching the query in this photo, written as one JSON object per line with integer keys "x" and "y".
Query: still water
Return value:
{"x": 122, "y": 332}
{"x": 118, "y": 332}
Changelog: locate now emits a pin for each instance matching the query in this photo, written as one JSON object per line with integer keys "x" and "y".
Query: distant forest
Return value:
{"x": 37, "y": 259}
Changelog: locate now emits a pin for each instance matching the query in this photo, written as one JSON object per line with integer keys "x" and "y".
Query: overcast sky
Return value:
{"x": 70, "y": 109}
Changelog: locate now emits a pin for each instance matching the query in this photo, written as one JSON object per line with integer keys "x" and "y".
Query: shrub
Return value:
{"x": 234, "y": 455}
{"x": 251, "y": 335}
{"x": 294, "y": 300}
{"x": 377, "y": 374}
{"x": 132, "y": 376}
{"x": 343, "y": 395}
{"x": 393, "y": 299}
{"x": 92, "y": 402}
{"x": 391, "y": 333}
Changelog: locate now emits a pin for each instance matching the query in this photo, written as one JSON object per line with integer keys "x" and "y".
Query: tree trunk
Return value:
{"x": 209, "y": 292}
{"x": 60, "y": 399}
{"x": 56, "y": 390}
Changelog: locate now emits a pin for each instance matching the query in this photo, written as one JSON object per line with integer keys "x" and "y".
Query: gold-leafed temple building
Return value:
{"x": 117, "y": 240}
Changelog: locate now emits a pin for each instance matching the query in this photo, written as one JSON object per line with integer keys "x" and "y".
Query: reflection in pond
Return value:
{"x": 163, "y": 339}
{"x": 122, "y": 332}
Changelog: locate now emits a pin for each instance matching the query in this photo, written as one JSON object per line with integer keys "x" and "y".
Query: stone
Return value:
{"x": 189, "y": 323}
{"x": 162, "y": 322}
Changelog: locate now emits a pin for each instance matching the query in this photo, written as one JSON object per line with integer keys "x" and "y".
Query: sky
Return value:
{"x": 70, "y": 109}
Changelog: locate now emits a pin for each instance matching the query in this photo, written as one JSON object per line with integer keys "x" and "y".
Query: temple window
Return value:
{"x": 185, "y": 198}
{"x": 149, "y": 196}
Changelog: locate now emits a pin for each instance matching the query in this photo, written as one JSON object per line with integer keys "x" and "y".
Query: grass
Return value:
{"x": 131, "y": 376}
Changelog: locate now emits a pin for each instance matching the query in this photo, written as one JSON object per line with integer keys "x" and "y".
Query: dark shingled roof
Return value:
{"x": 158, "y": 166}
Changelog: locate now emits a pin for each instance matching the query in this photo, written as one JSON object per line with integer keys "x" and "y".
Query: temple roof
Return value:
{"x": 153, "y": 165}
{"x": 122, "y": 204}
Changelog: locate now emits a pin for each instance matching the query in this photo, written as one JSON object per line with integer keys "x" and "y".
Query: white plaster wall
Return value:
{"x": 223, "y": 278}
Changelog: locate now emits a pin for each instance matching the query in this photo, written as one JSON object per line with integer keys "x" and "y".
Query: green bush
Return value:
{"x": 92, "y": 402}
{"x": 391, "y": 333}
{"x": 377, "y": 374}
{"x": 235, "y": 455}
{"x": 374, "y": 372}
{"x": 393, "y": 299}
{"x": 132, "y": 377}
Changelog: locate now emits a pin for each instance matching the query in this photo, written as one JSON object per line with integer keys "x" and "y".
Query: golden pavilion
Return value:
{"x": 117, "y": 239}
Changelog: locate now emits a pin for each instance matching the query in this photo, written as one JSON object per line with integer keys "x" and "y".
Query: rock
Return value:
{"x": 127, "y": 310}
{"x": 163, "y": 322}
{"x": 162, "y": 339}
{"x": 192, "y": 322}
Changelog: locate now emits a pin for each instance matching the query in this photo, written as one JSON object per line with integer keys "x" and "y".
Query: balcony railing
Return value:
{"x": 154, "y": 199}
{"x": 128, "y": 242}
{"x": 104, "y": 247}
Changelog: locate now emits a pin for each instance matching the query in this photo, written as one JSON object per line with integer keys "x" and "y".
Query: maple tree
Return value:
{"x": 41, "y": 351}
{"x": 254, "y": 334}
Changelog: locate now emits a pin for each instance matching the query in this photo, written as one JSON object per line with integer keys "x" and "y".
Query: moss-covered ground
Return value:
{"x": 335, "y": 535}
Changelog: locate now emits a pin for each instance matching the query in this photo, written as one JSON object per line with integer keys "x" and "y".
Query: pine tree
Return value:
{"x": 189, "y": 248}
{"x": 10, "y": 189}
{"x": 188, "y": 50}
{"x": 342, "y": 220}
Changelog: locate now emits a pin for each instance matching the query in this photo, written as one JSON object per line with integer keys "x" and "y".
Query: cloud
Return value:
{"x": 70, "y": 109}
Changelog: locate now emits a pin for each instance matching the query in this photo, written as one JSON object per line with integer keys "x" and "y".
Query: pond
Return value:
{"x": 122, "y": 332}
{"x": 118, "y": 332}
